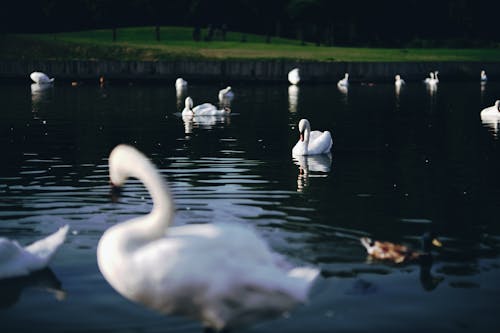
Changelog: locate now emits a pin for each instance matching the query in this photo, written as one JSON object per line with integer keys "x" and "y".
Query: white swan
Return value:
{"x": 41, "y": 78}
{"x": 294, "y": 76}
{"x": 344, "y": 82}
{"x": 226, "y": 94}
{"x": 490, "y": 116}
{"x": 430, "y": 79}
{"x": 180, "y": 83}
{"x": 205, "y": 109}
{"x": 18, "y": 261}
{"x": 398, "y": 81}
{"x": 221, "y": 274}
{"x": 484, "y": 77}
{"x": 312, "y": 142}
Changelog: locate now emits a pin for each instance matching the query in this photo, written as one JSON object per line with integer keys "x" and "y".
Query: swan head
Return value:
{"x": 303, "y": 126}
{"x": 227, "y": 109}
{"x": 497, "y": 105}
{"x": 397, "y": 77}
{"x": 118, "y": 160}
{"x": 188, "y": 103}
{"x": 346, "y": 75}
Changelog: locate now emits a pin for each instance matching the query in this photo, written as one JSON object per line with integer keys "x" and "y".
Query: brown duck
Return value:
{"x": 399, "y": 253}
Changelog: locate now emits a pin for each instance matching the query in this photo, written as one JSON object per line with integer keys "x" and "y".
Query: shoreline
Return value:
{"x": 244, "y": 70}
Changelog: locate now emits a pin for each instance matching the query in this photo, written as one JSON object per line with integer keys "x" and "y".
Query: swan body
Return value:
{"x": 41, "y": 78}
{"x": 16, "y": 260}
{"x": 221, "y": 274}
{"x": 180, "y": 83}
{"x": 226, "y": 94}
{"x": 430, "y": 79}
{"x": 205, "y": 109}
{"x": 294, "y": 76}
{"x": 492, "y": 112}
{"x": 312, "y": 142}
{"x": 344, "y": 82}
{"x": 399, "y": 253}
{"x": 484, "y": 77}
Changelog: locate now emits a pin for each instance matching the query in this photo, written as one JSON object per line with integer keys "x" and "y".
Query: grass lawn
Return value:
{"x": 139, "y": 43}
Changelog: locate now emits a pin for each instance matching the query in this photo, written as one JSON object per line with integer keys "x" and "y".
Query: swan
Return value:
{"x": 294, "y": 76}
{"x": 180, "y": 83}
{"x": 312, "y": 142}
{"x": 223, "y": 275}
{"x": 226, "y": 94}
{"x": 205, "y": 109}
{"x": 344, "y": 82}
{"x": 16, "y": 260}
{"x": 40, "y": 78}
{"x": 491, "y": 111}
{"x": 398, "y": 81}
{"x": 430, "y": 79}
{"x": 484, "y": 78}
{"x": 436, "y": 79}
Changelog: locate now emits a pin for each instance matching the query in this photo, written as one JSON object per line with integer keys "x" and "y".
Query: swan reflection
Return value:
{"x": 11, "y": 289}
{"x": 311, "y": 166}
{"x": 204, "y": 122}
{"x": 293, "y": 98}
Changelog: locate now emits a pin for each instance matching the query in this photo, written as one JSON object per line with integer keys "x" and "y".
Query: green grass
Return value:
{"x": 176, "y": 43}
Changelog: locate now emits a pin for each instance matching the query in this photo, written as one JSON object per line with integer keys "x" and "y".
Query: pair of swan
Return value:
{"x": 205, "y": 109}
{"x": 294, "y": 76}
{"x": 16, "y": 260}
{"x": 311, "y": 142}
{"x": 223, "y": 275}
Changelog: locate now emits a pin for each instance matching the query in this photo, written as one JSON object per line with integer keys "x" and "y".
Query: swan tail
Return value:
{"x": 46, "y": 248}
{"x": 51, "y": 80}
{"x": 303, "y": 278}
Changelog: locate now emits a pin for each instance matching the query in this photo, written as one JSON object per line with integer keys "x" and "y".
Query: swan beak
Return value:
{"x": 436, "y": 242}
{"x": 115, "y": 192}
{"x": 301, "y": 136}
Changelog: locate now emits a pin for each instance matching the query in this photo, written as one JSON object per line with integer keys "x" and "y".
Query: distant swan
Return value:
{"x": 312, "y": 142}
{"x": 226, "y": 94}
{"x": 484, "y": 78}
{"x": 41, "y": 78}
{"x": 16, "y": 260}
{"x": 180, "y": 83}
{"x": 430, "y": 79}
{"x": 224, "y": 275}
{"x": 398, "y": 81}
{"x": 492, "y": 111}
{"x": 294, "y": 76}
{"x": 344, "y": 82}
{"x": 205, "y": 109}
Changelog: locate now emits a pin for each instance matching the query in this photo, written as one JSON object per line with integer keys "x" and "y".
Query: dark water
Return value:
{"x": 401, "y": 166}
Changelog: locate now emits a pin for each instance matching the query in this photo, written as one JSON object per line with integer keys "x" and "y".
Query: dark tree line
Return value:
{"x": 390, "y": 23}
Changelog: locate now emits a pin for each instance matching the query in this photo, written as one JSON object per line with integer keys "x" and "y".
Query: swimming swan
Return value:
{"x": 226, "y": 94}
{"x": 312, "y": 142}
{"x": 221, "y": 274}
{"x": 484, "y": 77}
{"x": 16, "y": 260}
{"x": 180, "y": 83}
{"x": 40, "y": 78}
{"x": 398, "y": 81}
{"x": 294, "y": 76}
{"x": 205, "y": 109}
{"x": 344, "y": 82}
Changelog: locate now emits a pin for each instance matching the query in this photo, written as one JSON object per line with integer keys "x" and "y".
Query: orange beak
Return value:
{"x": 301, "y": 136}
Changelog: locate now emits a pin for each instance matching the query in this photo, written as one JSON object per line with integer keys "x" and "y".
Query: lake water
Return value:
{"x": 401, "y": 165}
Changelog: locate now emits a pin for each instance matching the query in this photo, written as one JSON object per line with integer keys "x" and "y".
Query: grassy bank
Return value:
{"x": 177, "y": 43}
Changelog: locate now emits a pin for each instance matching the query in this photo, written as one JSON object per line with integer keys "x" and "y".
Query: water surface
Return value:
{"x": 401, "y": 165}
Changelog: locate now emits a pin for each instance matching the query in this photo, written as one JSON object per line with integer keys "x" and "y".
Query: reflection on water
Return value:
{"x": 293, "y": 98}
{"x": 203, "y": 122}
{"x": 11, "y": 289}
{"x": 395, "y": 175}
{"x": 311, "y": 166}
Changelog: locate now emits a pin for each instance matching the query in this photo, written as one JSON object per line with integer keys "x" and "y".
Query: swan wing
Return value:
{"x": 14, "y": 260}
{"x": 46, "y": 248}
{"x": 320, "y": 142}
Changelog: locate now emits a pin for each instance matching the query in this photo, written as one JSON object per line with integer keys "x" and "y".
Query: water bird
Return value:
{"x": 344, "y": 82}
{"x": 16, "y": 260}
{"x": 294, "y": 76}
{"x": 492, "y": 111}
{"x": 226, "y": 94}
{"x": 430, "y": 79}
{"x": 484, "y": 77}
{"x": 41, "y": 78}
{"x": 312, "y": 142}
{"x": 180, "y": 83}
{"x": 398, "y": 81}
{"x": 205, "y": 109}
{"x": 398, "y": 253}
{"x": 223, "y": 274}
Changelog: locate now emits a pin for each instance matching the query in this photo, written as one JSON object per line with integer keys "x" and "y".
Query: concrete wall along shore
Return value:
{"x": 245, "y": 70}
